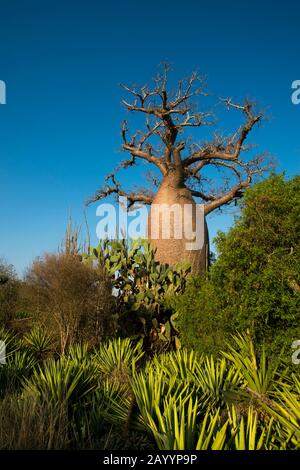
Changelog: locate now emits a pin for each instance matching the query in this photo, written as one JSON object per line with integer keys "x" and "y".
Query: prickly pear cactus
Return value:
{"x": 144, "y": 286}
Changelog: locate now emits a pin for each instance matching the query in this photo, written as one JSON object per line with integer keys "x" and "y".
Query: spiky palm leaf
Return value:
{"x": 218, "y": 382}
{"x": 212, "y": 434}
{"x": 119, "y": 406}
{"x": 118, "y": 355}
{"x": 20, "y": 365}
{"x": 248, "y": 433}
{"x": 62, "y": 380}
{"x": 285, "y": 409}
{"x": 176, "y": 426}
{"x": 258, "y": 374}
{"x": 79, "y": 353}
{"x": 150, "y": 388}
{"x": 181, "y": 363}
{"x": 38, "y": 341}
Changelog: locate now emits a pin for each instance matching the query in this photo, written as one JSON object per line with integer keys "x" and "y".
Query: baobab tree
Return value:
{"x": 183, "y": 163}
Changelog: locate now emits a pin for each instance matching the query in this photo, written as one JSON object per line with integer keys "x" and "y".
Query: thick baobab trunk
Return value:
{"x": 173, "y": 196}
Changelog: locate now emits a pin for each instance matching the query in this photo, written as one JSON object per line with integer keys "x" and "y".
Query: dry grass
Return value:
{"x": 27, "y": 423}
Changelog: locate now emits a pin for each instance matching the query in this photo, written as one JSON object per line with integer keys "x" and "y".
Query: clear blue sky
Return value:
{"x": 62, "y": 62}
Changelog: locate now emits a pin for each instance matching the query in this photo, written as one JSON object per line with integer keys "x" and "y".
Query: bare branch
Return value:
{"x": 228, "y": 197}
{"x": 193, "y": 171}
{"x": 114, "y": 188}
{"x": 135, "y": 152}
{"x": 204, "y": 197}
{"x": 227, "y": 149}
{"x": 230, "y": 166}
{"x": 171, "y": 115}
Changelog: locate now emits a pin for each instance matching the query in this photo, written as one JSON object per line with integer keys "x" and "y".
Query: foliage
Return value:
{"x": 180, "y": 363}
{"x": 177, "y": 430}
{"x": 200, "y": 320}
{"x": 248, "y": 433}
{"x": 207, "y": 405}
{"x": 144, "y": 288}
{"x": 10, "y": 340}
{"x": 117, "y": 356}
{"x": 20, "y": 365}
{"x": 219, "y": 383}
{"x": 259, "y": 376}
{"x": 38, "y": 342}
{"x": 286, "y": 410}
{"x": 174, "y": 401}
{"x": 255, "y": 282}
{"x": 62, "y": 380}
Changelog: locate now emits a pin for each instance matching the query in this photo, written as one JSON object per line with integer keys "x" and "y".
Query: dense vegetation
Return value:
{"x": 176, "y": 400}
{"x": 255, "y": 282}
{"x": 109, "y": 340}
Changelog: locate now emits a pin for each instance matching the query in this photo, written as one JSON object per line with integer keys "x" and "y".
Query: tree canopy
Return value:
{"x": 163, "y": 141}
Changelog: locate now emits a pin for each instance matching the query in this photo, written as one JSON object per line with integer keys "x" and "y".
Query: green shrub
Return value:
{"x": 255, "y": 282}
{"x": 201, "y": 321}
